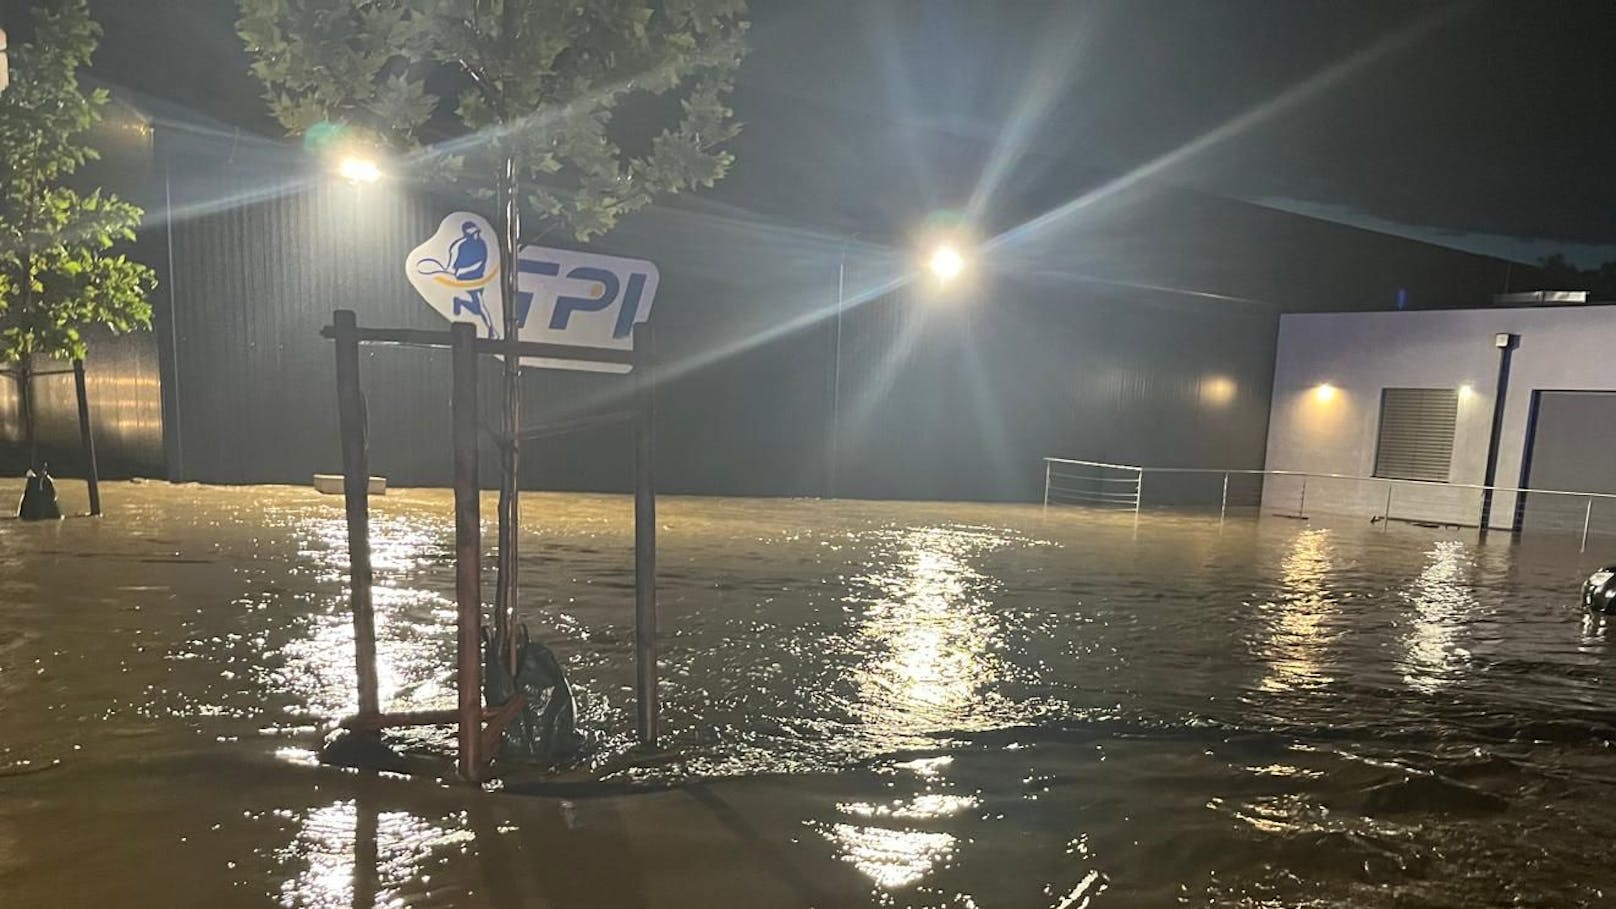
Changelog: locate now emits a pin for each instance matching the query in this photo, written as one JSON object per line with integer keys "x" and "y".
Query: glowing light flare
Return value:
{"x": 1324, "y": 392}
{"x": 1218, "y": 391}
{"x": 359, "y": 169}
{"x": 1467, "y": 391}
{"x": 946, "y": 262}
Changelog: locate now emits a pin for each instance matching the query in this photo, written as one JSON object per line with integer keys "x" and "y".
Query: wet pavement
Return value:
{"x": 903, "y": 704}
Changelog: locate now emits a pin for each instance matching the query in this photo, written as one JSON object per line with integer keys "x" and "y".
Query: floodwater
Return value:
{"x": 866, "y": 704}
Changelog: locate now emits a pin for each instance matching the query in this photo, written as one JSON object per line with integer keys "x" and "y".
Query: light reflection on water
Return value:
{"x": 414, "y": 624}
{"x": 819, "y": 638}
{"x": 350, "y": 855}
{"x": 1297, "y": 623}
{"x": 896, "y": 851}
{"x": 1442, "y": 605}
{"x": 930, "y": 636}
{"x": 892, "y": 858}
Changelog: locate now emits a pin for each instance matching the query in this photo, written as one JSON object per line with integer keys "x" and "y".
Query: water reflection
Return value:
{"x": 931, "y": 637}
{"x": 898, "y": 852}
{"x": 892, "y": 858}
{"x": 1297, "y": 622}
{"x": 1442, "y": 605}
{"x": 414, "y": 625}
{"x": 353, "y": 856}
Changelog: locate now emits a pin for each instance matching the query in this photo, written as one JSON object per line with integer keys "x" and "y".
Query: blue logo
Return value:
{"x": 563, "y": 296}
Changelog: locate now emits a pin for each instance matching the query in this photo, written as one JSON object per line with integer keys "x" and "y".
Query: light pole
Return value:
{"x": 946, "y": 263}
{"x": 833, "y": 445}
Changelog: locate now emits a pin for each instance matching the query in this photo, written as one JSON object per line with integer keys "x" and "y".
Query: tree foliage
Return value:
{"x": 1559, "y": 273}
{"x": 58, "y": 275}
{"x": 462, "y": 84}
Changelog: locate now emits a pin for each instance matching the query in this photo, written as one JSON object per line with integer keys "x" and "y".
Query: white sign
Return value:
{"x": 563, "y": 296}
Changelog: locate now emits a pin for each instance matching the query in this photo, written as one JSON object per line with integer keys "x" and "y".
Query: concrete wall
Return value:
{"x": 1359, "y": 354}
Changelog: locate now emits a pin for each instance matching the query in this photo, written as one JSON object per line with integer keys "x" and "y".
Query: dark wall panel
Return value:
{"x": 1572, "y": 440}
{"x": 121, "y": 380}
{"x": 1114, "y": 355}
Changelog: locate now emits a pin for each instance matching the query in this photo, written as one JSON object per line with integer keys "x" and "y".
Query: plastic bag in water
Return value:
{"x": 39, "y": 498}
{"x": 545, "y": 731}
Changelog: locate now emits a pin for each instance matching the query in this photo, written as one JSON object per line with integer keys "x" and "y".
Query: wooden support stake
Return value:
{"x": 356, "y": 492}
{"x": 645, "y": 617}
{"x": 92, "y": 473}
{"x": 468, "y": 554}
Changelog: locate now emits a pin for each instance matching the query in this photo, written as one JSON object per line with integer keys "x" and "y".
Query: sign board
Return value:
{"x": 563, "y": 296}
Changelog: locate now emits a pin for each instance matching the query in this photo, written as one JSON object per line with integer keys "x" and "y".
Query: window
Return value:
{"x": 1416, "y": 433}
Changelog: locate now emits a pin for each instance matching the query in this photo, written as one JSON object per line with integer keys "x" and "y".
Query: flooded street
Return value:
{"x": 896, "y": 704}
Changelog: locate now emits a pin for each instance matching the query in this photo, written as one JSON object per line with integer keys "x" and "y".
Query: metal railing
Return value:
{"x": 1074, "y": 482}
{"x": 1296, "y": 493}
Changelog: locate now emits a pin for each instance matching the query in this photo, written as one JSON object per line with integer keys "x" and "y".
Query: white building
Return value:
{"x": 1408, "y": 397}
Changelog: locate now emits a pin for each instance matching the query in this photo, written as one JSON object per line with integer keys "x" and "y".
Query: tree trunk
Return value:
{"x": 25, "y": 409}
{"x": 505, "y": 594}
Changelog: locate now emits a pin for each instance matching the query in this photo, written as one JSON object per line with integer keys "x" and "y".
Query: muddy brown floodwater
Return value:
{"x": 895, "y": 704}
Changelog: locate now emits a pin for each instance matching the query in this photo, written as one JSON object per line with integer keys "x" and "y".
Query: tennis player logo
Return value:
{"x": 456, "y": 272}
{"x": 563, "y": 297}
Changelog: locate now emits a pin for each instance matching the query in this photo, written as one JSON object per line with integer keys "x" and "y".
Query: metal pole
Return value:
{"x": 92, "y": 473}
{"x": 1138, "y": 495}
{"x": 1047, "y": 468}
{"x": 1386, "y": 520}
{"x": 1505, "y": 343}
{"x": 1587, "y": 516}
{"x": 510, "y": 508}
{"x": 1301, "y": 504}
{"x": 356, "y": 492}
{"x": 1223, "y": 507}
{"x": 645, "y": 613}
{"x": 833, "y": 453}
{"x": 468, "y": 553}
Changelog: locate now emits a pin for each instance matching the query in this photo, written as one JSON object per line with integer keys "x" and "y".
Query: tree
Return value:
{"x": 520, "y": 94}
{"x": 1559, "y": 273}
{"x": 58, "y": 275}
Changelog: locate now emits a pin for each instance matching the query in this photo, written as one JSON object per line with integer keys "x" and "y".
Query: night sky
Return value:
{"x": 1488, "y": 126}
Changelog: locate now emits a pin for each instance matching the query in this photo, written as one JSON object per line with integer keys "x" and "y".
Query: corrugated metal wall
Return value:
{"x": 1116, "y": 354}
{"x": 946, "y": 399}
{"x": 121, "y": 379}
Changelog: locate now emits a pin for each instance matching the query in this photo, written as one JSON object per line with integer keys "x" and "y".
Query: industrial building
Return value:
{"x": 1517, "y": 395}
{"x": 1140, "y": 325}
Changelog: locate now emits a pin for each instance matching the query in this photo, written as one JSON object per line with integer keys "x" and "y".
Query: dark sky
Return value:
{"x": 1488, "y": 125}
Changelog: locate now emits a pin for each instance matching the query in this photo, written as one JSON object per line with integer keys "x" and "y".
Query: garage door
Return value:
{"x": 1573, "y": 446}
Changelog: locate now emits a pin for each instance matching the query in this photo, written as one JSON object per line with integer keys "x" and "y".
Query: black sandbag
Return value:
{"x": 39, "y": 498}
{"x": 545, "y": 731}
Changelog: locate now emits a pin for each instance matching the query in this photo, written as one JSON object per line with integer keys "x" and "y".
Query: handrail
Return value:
{"x": 1098, "y": 464}
{"x": 1247, "y": 471}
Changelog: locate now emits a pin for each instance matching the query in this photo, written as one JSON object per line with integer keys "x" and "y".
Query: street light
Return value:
{"x": 359, "y": 169}
{"x": 946, "y": 263}
{"x": 832, "y": 448}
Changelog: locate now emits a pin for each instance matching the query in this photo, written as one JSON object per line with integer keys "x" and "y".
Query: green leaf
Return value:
{"x": 57, "y": 278}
